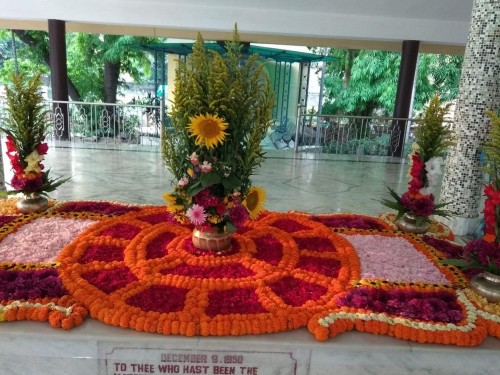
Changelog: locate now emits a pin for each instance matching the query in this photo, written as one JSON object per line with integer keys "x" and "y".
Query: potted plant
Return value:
{"x": 220, "y": 113}
{"x": 26, "y": 126}
{"x": 417, "y": 204}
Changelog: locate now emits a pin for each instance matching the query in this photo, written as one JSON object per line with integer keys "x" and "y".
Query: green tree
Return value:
{"x": 95, "y": 61}
{"x": 364, "y": 82}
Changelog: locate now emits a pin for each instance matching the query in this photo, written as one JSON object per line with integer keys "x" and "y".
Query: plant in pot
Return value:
{"x": 432, "y": 137}
{"x": 481, "y": 256}
{"x": 26, "y": 126}
{"x": 220, "y": 113}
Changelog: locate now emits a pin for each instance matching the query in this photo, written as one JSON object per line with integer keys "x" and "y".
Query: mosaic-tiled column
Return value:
{"x": 479, "y": 91}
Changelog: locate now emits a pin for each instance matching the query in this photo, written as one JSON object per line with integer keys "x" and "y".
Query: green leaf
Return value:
{"x": 209, "y": 179}
{"x": 195, "y": 189}
{"x": 230, "y": 183}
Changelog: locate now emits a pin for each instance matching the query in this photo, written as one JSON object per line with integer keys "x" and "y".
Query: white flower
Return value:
{"x": 206, "y": 167}
{"x": 433, "y": 166}
{"x": 183, "y": 181}
{"x": 33, "y": 161}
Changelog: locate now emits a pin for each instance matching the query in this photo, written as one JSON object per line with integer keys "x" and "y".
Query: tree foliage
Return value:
{"x": 95, "y": 61}
{"x": 364, "y": 82}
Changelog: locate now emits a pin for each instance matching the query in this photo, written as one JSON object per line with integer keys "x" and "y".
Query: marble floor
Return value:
{"x": 315, "y": 186}
{"x": 292, "y": 184}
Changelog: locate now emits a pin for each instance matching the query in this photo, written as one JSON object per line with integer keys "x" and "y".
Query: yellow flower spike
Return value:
{"x": 167, "y": 197}
{"x": 254, "y": 201}
{"x": 208, "y": 130}
{"x": 190, "y": 172}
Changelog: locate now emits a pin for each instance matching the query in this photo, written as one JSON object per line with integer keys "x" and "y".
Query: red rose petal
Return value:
{"x": 295, "y": 292}
{"x": 160, "y": 298}
{"x": 157, "y": 248}
{"x": 121, "y": 230}
{"x": 289, "y": 225}
{"x": 327, "y": 267}
{"x": 157, "y": 218}
{"x": 110, "y": 280}
{"x": 320, "y": 244}
{"x": 103, "y": 253}
{"x": 230, "y": 271}
{"x": 269, "y": 249}
{"x": 233, "y": 301}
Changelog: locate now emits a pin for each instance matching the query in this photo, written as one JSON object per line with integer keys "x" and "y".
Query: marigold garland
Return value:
{"x": 264, "y": 296}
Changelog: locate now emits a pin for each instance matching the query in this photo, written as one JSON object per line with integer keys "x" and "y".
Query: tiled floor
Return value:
{"x": 291, "y": 184}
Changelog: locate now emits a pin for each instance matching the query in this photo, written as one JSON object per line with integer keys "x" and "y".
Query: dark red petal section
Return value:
{"x": 339, "y": 221}
{"x": 160, "y": 298}
{"x": 289, "y": 225}
{"x": 105, "y": 208}
{"x": 233, "y": 301}
{"x": 269, "y": 249}
{"x": 157, "y": 218}
{"x": 320, "y": 244}
{"x": 110, "y": 280}
{"x": 122, "y": 230}
{"x": 4, "y": 219}
{"x": 295, "y": 292}
{"x": 230, "y": 271}
{"x": 157, "y": 247}
{"x": 438, "y": 306}
{"x": 26, "y": 284}
{"x": 327, "y": 267}
{"x": 103, "y": 253}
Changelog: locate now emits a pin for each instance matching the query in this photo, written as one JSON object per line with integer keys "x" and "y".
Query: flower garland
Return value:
{"x": 157, "y": 284}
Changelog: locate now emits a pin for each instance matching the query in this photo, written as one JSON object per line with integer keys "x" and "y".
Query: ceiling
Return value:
{"x": 441, "y": 25}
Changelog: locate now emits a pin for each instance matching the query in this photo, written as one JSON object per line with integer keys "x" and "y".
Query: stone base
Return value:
{"x": 97, "y": 349}
{"x": 462, "y": 226}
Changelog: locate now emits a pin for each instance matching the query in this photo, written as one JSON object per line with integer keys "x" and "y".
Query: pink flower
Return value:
{"x": 183, "y": 181}
{"x": 196, "y": 214}
{"x": 206, "y": 167}
{"x": 193, "y": 158}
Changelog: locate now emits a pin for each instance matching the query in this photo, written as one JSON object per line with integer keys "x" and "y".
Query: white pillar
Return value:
{"x": 479, "y": 91}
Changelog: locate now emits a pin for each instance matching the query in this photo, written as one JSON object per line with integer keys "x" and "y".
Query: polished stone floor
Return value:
{"x": 139, "y": 176}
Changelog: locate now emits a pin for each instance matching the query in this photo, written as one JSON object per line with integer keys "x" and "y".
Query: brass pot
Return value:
{"x": 32, "y": 203}
{"x": 408, "y": 223}
{"x": 487, "y": 285}
{"x": 211, "y": 240}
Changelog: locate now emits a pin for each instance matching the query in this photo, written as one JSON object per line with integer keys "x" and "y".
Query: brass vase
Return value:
{"x": 212, "y": 240}
{"x": 408, "y": 223}
{"x": 487, "y": 285}
{"x": 32, "y": 203}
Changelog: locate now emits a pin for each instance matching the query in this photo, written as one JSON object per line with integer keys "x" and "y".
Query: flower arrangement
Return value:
{"x": 221, "y": 111}
{"x": 26, "y": 127}
{"x": 432, "y": 138}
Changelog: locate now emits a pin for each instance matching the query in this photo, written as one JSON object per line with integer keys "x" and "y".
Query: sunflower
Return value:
{"x": 254, "y": 201}
{"x": 208, "y": 130}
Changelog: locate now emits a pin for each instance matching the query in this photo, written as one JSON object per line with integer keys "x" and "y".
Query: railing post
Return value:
{"x": 162, "y": 119}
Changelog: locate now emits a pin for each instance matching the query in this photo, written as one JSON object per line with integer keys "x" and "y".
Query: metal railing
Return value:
{"x": 103, "y": 122}
{"x": 347, "y": 135}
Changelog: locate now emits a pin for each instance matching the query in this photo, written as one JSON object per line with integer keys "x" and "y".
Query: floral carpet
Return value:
{"x": 133, "y": 266}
